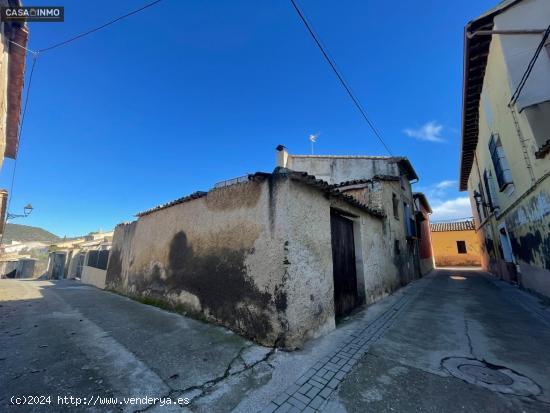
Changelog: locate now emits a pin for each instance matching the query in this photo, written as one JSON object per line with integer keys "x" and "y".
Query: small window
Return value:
{"x": 490, "y": 190}
{"x": 502, "y": 170}
{"x": 461, "y": 247}
{"x": 396, "y": 247}
{"x": 395, "y": 204}
{"x": 538, "y": 117}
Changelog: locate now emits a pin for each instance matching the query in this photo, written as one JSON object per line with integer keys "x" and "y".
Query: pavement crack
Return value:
{"x": 204, "y": 387}
{"x": 469, "y": 339}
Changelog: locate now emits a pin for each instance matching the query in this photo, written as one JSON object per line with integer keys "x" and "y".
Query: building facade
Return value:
{"x": 13, "y": 40}
{"x": 423, "y": 211}
{"x": 276, "y": 257}
{"x": 505, "y": 159}
{"x": 84, "y": 258}
{"x": 455, "y": 244}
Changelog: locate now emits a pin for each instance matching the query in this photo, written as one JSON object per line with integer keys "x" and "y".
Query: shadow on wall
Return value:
{"x": 218, "y": 280}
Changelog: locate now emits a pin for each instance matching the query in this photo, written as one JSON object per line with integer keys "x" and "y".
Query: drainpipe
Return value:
{"x": 522, "y": 142}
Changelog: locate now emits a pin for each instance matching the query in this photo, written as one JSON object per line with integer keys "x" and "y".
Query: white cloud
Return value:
{"x": 430, "y": 132}
{"x": 438, "y": 192}
{"x": 445, "y": 201}
{"x": 445, "y": 184}
{"x": 451, "y": 209}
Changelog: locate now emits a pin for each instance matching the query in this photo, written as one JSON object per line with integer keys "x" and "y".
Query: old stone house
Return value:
{"x": 505, "y": 156}
{"x": 424, "y": 233}
{"x": 275, "y": 256}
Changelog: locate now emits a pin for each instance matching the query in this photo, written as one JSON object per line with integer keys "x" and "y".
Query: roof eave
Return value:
{"x": 16, "y": 75}
{"x": 469, "y": 136}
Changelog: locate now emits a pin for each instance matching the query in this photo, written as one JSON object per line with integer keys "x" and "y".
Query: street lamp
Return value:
{"x": 27, "y": 209}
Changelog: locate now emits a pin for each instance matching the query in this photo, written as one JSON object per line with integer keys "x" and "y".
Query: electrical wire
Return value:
{"x": 35, "y": 55}
{"x": 21, "y": 124}
{"x": 529, "y": 69}
{"x": 334, "y": 68}
{"x": 86, "y": 33}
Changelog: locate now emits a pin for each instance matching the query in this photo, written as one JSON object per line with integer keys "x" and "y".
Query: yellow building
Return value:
{"x": 455, "y": 244}
{"x": 505, "y": 157}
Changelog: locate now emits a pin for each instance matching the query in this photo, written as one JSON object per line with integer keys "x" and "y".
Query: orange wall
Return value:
{"x": 446, "y": 252}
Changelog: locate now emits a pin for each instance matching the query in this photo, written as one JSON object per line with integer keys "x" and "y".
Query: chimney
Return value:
{"x": 282, "y": 156}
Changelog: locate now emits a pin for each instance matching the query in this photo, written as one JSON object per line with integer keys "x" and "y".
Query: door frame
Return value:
{"x": 356, "y": 221}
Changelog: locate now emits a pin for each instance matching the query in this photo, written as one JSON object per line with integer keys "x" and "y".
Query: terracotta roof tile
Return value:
{"x": 463, "y": 225}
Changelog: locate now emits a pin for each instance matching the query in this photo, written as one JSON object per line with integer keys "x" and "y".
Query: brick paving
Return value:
{"x": 312, "y": 390}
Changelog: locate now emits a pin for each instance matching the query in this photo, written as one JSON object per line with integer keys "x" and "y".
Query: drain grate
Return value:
{"x": 486, "y": 374}
{"x": 496, "y": 378}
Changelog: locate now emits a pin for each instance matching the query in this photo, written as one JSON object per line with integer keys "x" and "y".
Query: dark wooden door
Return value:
{"x": 343, "y": 262}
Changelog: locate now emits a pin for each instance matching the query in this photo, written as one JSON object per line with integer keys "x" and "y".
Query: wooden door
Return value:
{"x": 343, "y": 262}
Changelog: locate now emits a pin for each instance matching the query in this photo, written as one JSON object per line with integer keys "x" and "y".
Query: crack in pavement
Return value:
{"x": 203, "y": 388}
{"x": 469, "y": 339}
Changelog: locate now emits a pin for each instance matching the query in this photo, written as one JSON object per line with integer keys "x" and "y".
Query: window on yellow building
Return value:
{"x": 461, "y": 247}
{"x": 502, "y": 169}
{"x": 492, "y": 200}
{"x": 538, "y": 117}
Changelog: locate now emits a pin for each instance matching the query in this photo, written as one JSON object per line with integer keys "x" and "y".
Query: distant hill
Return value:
{"x": 27, "y": 233}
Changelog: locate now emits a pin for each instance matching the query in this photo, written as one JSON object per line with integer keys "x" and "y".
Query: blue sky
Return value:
{"x": 189, "y": 93}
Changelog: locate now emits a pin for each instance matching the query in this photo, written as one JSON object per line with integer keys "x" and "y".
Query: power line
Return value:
{"x": 35, "y": 54}
{"x": 79, "y": 36}
{"x": 529, "y": 69}
{"x": 339, "y": 76}
{"x": 21, "y": 123}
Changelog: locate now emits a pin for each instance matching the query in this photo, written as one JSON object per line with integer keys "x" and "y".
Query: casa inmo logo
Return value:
{"x": 32, "y": 14}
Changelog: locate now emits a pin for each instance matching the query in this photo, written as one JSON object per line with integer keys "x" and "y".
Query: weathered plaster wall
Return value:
{"x": 219, "y": 257}
{"x": 522, "y": 209}
{"x": 390, "y": 267}
{"x": 446, "y": 252}
{"x": 427, "y": 262}
{"x": 309, "y": 258}
{"x": 308, "y": 262}
{"x": 340, "y": 169}
{"x": 528, "y": 226}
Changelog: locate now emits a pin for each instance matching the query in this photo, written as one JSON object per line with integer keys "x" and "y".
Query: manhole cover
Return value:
{"x": 496, "y": 378}
{"x": 486, "y": 374}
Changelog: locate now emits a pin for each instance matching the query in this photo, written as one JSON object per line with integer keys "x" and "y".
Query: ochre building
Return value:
{"x": 455, "y": 244}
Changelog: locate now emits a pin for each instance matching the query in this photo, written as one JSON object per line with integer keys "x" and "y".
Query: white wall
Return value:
{"x": 93, "y": 276}
{"x": 519, "y": 49}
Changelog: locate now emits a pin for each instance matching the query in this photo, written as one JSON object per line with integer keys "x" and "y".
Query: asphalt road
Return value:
{"x": 459, "y": 320}
{"x": 455, "y": 341}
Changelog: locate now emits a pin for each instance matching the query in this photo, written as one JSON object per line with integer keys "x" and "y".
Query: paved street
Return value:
{"x": 453, "y": 341}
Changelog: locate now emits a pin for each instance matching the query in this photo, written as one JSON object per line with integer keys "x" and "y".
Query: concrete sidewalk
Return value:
{"x": 65, "y": 338}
